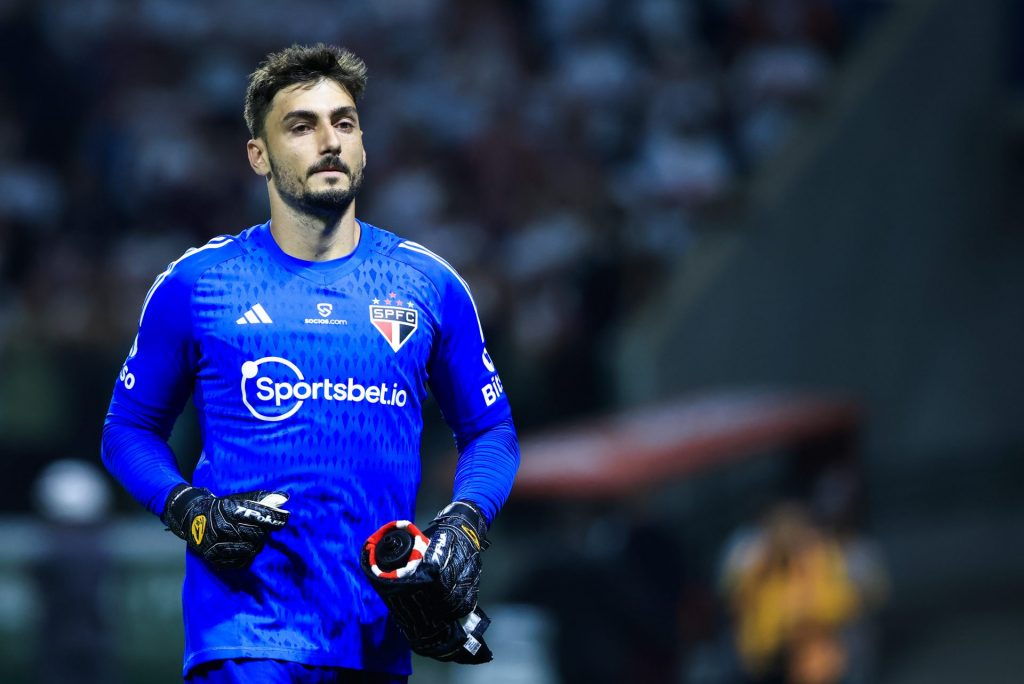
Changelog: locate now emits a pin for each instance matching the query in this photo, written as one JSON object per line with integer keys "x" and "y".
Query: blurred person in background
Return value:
{"x": 837, "y": 499}
{"x": 308, "y": 343}
{"x": 791, "y": 597}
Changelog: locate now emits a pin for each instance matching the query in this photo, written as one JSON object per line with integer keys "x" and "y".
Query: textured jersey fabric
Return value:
{"x": 308, "y": 378}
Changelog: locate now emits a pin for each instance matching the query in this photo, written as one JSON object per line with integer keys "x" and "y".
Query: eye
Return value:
{"x": 346, "y": 125}
{"x": 301, "y": 128}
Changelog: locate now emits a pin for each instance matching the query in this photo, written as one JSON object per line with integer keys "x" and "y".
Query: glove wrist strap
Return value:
{"x": 465, "y": 513}
{"x": 178, "y": 502}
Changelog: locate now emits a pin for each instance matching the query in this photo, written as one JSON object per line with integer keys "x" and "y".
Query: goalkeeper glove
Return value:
{"x": 228, "y": 531}
{"x": 457, "y": 536}
{"x": 392, "y": 559}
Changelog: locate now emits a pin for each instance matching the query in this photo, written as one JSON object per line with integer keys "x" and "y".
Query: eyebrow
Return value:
{"x": 336, "y": 113}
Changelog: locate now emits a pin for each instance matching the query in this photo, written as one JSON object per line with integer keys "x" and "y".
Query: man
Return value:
{"x": 307, "y": 344}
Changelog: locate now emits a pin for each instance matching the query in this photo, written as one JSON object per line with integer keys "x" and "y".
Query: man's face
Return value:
{"x": 313, "y": 148}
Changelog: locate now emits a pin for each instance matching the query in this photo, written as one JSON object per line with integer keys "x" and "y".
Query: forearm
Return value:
{"x": 141, "y": 461}
{"x": 487, "y": 468}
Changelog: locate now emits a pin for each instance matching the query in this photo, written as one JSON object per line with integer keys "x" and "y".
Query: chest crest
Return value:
{"x": 395, "y": 319}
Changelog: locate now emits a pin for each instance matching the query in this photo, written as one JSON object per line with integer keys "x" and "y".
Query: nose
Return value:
{"x": 329, "y": 140}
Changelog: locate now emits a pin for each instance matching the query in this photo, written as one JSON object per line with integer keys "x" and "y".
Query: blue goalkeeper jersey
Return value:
{"x": 309, "y": 378}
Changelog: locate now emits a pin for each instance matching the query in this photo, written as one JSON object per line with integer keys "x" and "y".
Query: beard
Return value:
{"x": 323, "y": 203}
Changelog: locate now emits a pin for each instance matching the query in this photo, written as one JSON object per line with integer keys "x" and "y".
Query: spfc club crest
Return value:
{"x": 394, "y": 319}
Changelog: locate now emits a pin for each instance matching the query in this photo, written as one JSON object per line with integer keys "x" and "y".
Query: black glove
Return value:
{"x": 228, "y": 531}
{"x": 392, "y": 560}
{"x": 457, "y": 536}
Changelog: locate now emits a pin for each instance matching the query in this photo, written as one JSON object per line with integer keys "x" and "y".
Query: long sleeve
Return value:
{"x": 465, "y": 381}
{"x": 487, "y": 468}
{"x": 141, "y": 461}
{"x": 151, "y": 391}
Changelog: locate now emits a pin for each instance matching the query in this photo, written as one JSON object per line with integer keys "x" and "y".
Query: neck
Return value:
{"x": 313, "y": 237}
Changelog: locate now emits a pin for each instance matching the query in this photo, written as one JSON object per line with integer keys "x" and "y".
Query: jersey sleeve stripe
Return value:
{"x": 420, "y": 249}
{"x": 215, "y": 243}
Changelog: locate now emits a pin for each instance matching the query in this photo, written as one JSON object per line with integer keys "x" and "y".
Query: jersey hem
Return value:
{"x": 317, "y": 658}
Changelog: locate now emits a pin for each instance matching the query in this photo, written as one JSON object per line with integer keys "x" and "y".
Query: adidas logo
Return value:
{"x": 257, "y": 314}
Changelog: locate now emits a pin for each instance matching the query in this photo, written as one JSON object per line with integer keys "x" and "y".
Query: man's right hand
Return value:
{"x": 228, "y": 531}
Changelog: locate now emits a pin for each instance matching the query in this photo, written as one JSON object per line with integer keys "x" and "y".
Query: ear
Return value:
{"x": 364, "y": 157}
{"x": 258, "y": 159}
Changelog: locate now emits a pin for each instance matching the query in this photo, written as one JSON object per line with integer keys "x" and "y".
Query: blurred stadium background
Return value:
{"x": 751, "y": 269}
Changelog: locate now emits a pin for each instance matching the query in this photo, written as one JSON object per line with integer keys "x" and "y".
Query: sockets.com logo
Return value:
{"x": 274, "y": 389}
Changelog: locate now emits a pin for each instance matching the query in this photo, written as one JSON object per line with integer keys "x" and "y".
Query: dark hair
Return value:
{"x": 299, "y": 64}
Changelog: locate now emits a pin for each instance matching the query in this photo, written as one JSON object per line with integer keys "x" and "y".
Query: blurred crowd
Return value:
{"x": 562, "y": 154}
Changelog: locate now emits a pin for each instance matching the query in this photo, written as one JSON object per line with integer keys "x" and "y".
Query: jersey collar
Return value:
{"x": 320, "y": 272}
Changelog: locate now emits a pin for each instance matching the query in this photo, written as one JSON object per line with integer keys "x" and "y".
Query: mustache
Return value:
{"x": 329, "y": 164}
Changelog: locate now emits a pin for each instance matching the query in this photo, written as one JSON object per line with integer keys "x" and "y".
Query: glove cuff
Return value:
{"x": 177, "y": 505}
{"x": 466, "y": 516}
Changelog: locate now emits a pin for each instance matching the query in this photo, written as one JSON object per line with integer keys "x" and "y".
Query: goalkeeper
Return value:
{"x": 307, "y": 344}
